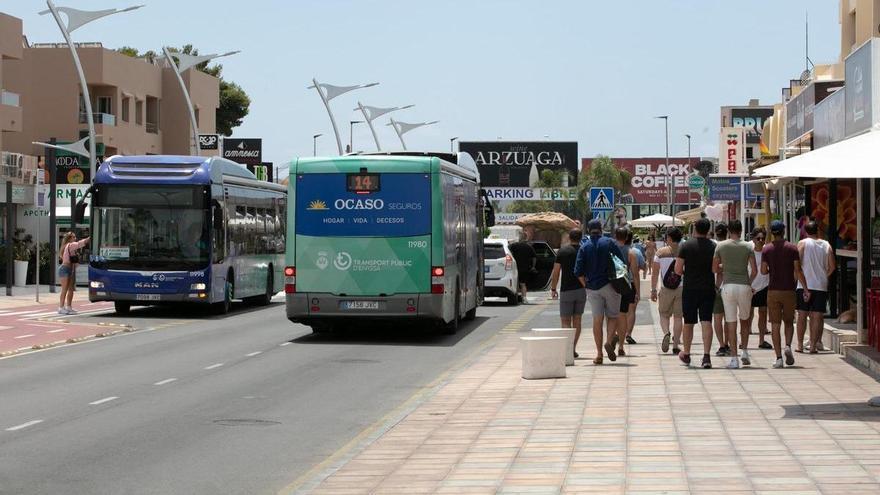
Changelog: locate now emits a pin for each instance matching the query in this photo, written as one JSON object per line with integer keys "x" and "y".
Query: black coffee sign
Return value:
{"x": 248, "y": 151}
{"x": 519, "y": 164}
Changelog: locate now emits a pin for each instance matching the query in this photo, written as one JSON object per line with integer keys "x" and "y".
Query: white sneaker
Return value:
{"x": 820, "y": 346}
{"x": 71, "y": 311}
{"x": 778, "y": 364}
{"x": 746, "y": 358}
{"x": 62, "y": 311}
{"x": 733, "y": 364}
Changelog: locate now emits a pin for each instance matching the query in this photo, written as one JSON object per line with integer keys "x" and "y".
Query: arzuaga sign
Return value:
{"x": 519, "y": 164}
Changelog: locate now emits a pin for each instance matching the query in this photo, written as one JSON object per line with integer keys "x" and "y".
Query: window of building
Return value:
{"x": 139, "y": 112}
{"x": 152, "y": 115}
{"x": 105, "y": 105}
{"x": 750, "y": 153}
{"x": 126, "y": 102}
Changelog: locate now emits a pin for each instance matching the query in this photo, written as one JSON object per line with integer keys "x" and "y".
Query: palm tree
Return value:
{"x": 602, "y": 173}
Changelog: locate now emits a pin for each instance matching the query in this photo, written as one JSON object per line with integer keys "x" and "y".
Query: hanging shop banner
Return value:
{"x": 650, "y": 178}
{"x": 799, "y": 111}
{"x": 731, "y": 152}
{"x": 519, "y": 164}
{"x": 531, "y": 193}
{"x": 248, "y": 151}
{"x": 830, "y": 120}
{"x": 859, "y": 100}
{"x": 71, "y": 168}
{"x": 727, "y": 189}
{"x": 751, "y": 119}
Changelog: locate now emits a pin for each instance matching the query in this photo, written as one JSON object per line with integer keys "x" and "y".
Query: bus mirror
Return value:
{"x": 79, "y": 213}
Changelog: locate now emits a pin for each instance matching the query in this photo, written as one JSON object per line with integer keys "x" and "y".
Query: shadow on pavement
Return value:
{"x": 840, "y": 411}
{"x": 402, "y": 334}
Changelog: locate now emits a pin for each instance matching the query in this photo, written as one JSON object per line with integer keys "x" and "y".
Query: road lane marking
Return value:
{"x": 57, "y": 330}
{"x": 25, "y": 312}
{"x": 25, "y": 425}
{"x": 165, "y": 381}
{"x": 285, "y": 343}
{"x": 24, "y": 336}
{"x": 252, "y": 354}
{"x": 213, "y": 366}
{"x": 102, "y": 401}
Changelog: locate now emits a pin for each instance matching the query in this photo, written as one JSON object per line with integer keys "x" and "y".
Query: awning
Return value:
{"x": 655, "y": 220}
{"x": 691, "y": 215}
{"x": 854, "y": 158}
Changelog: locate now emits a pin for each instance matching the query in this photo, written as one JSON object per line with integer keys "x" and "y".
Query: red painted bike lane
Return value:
{"x": 40, "y": 326}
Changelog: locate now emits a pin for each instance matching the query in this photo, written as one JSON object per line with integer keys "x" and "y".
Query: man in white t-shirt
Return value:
{"x": 817, "y": 263}
{"x": 760, "y": 287}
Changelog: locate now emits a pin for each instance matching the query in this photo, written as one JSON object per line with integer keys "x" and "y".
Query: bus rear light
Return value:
{"x": 315, "y": 309}
{"x": 290, "y": 288}
{"x": 508, "y": 262}
{"x": 438, "y": 271}
{"x": 290, "y": 280}
{"x": 290, "y": 271}
{"x": 437, "y": 289}
{"x": 410, "y": 309}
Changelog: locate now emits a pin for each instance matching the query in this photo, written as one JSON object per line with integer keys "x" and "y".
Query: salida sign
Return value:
{"x": 651, "y": 178}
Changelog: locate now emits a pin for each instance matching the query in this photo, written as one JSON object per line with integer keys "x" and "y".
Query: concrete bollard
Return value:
{"x": 543, "y": 357}
{"x": 559, "y": 332}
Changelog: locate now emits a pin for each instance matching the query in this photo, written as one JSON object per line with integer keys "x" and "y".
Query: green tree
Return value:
{"x": 234, "y": 101}
{"x": 603, "y": 173}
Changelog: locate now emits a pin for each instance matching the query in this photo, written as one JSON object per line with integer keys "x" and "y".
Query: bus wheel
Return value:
{"x": 223, "y": 308}
{"x": 452, "y": 326}
{"x": 266, "y": 298}
{"x": 122, "y": 307}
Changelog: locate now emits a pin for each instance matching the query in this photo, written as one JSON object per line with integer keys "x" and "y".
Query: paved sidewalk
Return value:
{"x": 644, "y": 424}
{"x": 25, "y": 296}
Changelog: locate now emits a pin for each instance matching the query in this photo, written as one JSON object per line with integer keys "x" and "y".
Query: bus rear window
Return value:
{"x": 328, "y": 206}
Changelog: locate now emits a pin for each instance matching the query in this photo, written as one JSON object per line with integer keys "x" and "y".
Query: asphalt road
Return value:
{"x": 192, "y": 403}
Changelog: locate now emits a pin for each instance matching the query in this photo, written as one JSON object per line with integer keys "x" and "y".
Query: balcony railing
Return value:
{"x": 152, "y": 127}
{"x": 10, "y": 98}
{"x": 18, "y": 168}
{"x": 100, "y": 118}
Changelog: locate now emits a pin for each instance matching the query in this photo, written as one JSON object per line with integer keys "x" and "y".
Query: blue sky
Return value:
{"x": 589, "y": 71}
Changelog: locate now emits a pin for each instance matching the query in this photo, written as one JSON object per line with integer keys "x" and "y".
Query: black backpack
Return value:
{"x": 671, "y": 280}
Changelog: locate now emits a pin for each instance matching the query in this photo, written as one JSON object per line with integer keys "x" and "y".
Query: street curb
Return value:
{"x": 312, "y": 478}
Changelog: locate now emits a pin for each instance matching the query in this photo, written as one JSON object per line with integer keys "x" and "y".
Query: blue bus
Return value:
{"x": 171, "y": 229}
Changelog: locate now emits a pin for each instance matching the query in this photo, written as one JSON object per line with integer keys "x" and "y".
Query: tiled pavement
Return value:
{"x": 644, "y": 424}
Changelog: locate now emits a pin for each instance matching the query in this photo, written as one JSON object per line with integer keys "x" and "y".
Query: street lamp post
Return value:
{"x": 669, "y": 187}
{"x": 186, "y": 61}
{"x": 327, "y": 92}
{"x": 315, "y": 144}
{"x": 402, "y": 128}
{"x": 351, "y": 124}
{"x": 452, "y": 144}
{"x": 372, "y": 113}
{"x": 688, "y": 136}
{"x": 75, "y": 19}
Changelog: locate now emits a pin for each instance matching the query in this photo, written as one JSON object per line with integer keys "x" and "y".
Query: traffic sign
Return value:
{"x": 696, "y": 182}
{"x": 601, "y": 199}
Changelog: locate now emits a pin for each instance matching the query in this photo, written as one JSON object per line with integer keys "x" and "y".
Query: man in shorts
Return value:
{"x": 526, "y": 258}
{"x": 781, "y": 262}
{"x": 735, "y": 260}
{"x": 591, "y": 267}
{"x": 628, "y": 301}
{"x": 718, "y": 307}
{"x": 572, "y": 294}
{"x": 759, "y": 299}
{"x": 694, "y": 262}
{"x": 818, "y": 264}
{"x": 669, "y": 299}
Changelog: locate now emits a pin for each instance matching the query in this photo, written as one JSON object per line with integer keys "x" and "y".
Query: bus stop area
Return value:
{"x": 642, "y": 424}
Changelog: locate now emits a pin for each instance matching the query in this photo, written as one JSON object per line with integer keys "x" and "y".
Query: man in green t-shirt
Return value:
{"x": 733, "y": 259}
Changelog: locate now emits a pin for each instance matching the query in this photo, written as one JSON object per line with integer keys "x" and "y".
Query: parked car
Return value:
{"x": 544, "y": 265}
{"x": 501, "y": 277}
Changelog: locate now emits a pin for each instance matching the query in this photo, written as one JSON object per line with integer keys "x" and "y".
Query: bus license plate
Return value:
{"x": 359, "y": 304}
{"x": 147, "y": 297}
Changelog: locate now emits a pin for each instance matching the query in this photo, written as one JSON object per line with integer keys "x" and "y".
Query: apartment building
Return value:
{"x": 137, "y": 104}
{"x": 10, "y": 103}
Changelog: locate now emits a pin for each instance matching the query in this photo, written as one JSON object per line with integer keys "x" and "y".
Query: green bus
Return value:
{"x": 386, "y": 236}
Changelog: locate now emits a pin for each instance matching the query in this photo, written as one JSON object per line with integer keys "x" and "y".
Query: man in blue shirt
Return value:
{"x": 591, "y": 267}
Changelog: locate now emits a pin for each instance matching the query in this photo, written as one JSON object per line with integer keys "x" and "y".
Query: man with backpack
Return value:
{"x": 629, "y": 298}
{"x": 694, "y": 263}
{"x": 592, "y": 268}
{"x": 669, "y": 298}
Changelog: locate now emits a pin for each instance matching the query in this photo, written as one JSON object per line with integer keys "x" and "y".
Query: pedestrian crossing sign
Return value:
{"x": 601, "y": 198}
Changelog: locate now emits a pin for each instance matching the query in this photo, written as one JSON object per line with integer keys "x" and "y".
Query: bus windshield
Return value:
{"x": 164, "y": 228}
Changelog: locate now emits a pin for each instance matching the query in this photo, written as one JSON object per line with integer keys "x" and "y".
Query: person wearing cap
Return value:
{"x": 694, "y": 262}
{"x": 718, "y": 307}
{"x": 781, "y": 261}
{"x": 591, "y": 268}
{"x": 818, "y": 264}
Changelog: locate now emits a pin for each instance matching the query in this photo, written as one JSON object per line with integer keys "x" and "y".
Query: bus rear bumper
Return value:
{"x": 309, "y": 308}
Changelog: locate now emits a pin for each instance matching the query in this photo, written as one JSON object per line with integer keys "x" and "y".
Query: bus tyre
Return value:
{"x": 452, "y": 326}
{"x": 223, "y": 307}
{"x": 266, "y": 298}
{"x": 122, "y": 307}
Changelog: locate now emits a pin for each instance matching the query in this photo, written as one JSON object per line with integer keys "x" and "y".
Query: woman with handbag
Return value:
{"x": 669, "y": 297}
{"x": 68, "y": 258}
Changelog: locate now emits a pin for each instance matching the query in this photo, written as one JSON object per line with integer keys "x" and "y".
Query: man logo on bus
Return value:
{"x": 317, "y": 205}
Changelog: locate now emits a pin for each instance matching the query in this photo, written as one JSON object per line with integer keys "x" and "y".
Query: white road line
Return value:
{"x": 216, "y": 365}
{"x": 37, "y": 315}
{"x": 25, "y": 425}
{"x": 285, "y": 343}
{"x": 102, "y": 401}
{"x": 252, "y": 354}
{"x": 24, "y": 336}
{"x": 57, "y": 330}
{"x": 26, "y": 312}
{"x": 165, "y": 381}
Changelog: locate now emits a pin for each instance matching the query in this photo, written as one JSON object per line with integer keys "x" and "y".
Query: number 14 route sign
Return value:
{"x": 601, "y": 199}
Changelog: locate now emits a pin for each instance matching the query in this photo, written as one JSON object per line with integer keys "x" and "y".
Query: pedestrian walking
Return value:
{"x": 572, "y": 294}
{"x": 694, "y": 263}
{"x": 735, "y": 261}
{"x": 781, "y": 262}
{"x": 669, "y": 298}
{"x": 591, "y": 268}
{"x": 650, "y": 252}
{"x": 760, "y": 286}
{"x": 718, "y": 308}
{"x": 526, "y": 258}
{"x": 629, "y": 300}
{"x": 642, "y": 267}
{"x": 818, "y": 264}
